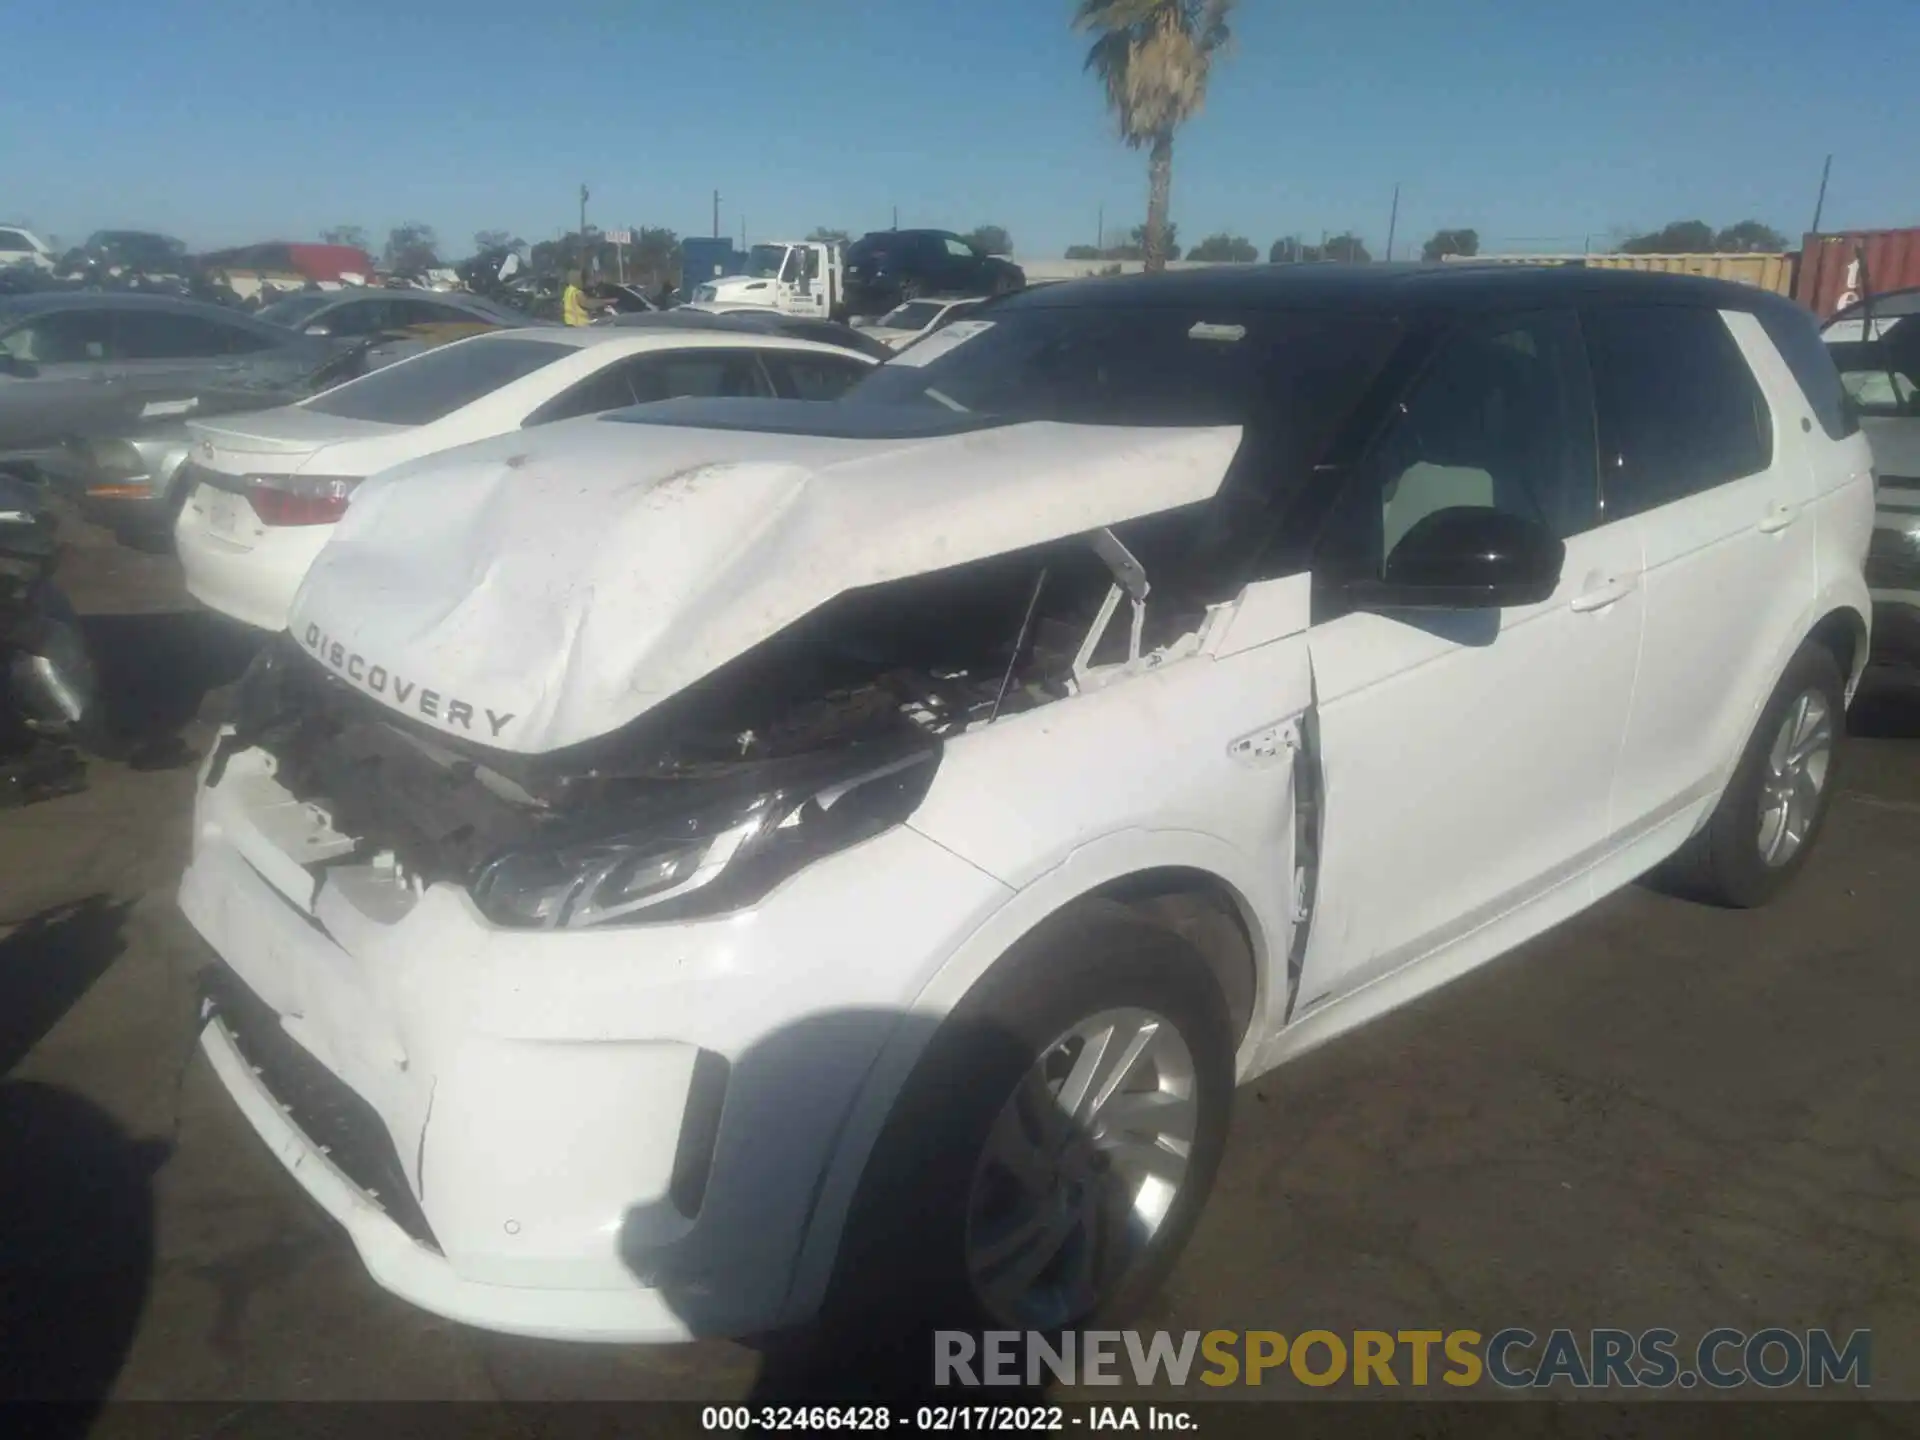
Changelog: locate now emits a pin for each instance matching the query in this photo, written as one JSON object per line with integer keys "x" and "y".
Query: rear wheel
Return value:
{"x": 1773, "y": 807}
{"x": 1055, "y": 1145}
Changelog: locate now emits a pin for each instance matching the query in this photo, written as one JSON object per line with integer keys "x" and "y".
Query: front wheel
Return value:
{"x": 1773, "y": 807}
{"x": 1055, "y": 1145}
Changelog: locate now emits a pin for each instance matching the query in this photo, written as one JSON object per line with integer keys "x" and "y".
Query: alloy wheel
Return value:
{"x": 1081, "y": 1169}
{"x": 1795, "y": 777}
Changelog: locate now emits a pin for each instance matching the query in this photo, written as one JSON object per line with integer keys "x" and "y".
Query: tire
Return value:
{"x": 1727, "y": 863}
{"x": 911, "y": 290}
{"x": 929, "y": 1186}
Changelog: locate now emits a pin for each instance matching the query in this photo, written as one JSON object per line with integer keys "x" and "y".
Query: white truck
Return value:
{"x": 793, "y": 277}
{"x": 20, "y": 246}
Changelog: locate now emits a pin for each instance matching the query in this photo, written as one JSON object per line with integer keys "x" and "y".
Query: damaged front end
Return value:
{"x": 823, "y": 736}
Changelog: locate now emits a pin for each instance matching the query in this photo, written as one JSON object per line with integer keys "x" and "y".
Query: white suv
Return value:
{"x": 693, "y": 870}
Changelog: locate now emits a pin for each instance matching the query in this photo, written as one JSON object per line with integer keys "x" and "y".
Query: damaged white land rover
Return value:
{"x": 691, "y": 870}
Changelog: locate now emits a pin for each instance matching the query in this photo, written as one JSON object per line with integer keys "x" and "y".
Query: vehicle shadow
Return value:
{"x": 47, "y": 962}
{"x": 736, "y": 1213}
{"x": 76, "y": 1203}
{"x": 156, "y": 673}
{"x": 76, "y": 1250}
{"x": 1885, "y": 712}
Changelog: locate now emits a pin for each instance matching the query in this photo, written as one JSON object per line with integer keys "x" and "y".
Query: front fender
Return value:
{"x": 1085, "y": 871}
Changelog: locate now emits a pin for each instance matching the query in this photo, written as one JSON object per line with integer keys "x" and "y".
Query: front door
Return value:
{"x": 1467, "y": 755}
{"x": 1716, "y": 481}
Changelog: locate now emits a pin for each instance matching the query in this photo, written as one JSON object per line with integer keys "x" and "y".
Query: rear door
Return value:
{"x": 171, "y": 353}
{"x": 61, "y": 375}
{"x": 1467, "y": 755}
{"x": 1716, "y": 482}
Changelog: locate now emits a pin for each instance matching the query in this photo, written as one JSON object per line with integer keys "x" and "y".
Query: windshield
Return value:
{"x": 764, "y": 261}
{"x": 293, "y": 311}
{"x": 429, "y": 386}
{"x": 914, "y": 315}
{"x": 1174, "y": 365}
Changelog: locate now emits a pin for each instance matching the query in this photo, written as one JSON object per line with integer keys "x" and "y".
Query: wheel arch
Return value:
{"x": 1845, "y": 632}
{"x": 1194, "y": 884}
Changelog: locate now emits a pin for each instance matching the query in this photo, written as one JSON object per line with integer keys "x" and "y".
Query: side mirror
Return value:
{"x": 1466, "y": 558}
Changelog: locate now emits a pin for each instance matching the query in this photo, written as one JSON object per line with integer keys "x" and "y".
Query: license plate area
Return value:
{"x": 223, "y": 512}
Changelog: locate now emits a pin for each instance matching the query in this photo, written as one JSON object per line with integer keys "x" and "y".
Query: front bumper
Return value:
{"x": 612, "y": 1135}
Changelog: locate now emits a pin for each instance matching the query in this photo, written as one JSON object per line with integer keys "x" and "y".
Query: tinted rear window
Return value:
{"x": 1678, "y": 410}
{"x": 1175, "y": 365}
{"x": 1797, "y": 338}
{"x": 427, "y": 387}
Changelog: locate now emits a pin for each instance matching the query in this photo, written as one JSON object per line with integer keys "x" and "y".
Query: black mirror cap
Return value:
{"x": 1467, "y": 558}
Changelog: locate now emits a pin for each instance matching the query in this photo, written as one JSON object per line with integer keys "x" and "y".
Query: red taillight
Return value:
{"x": 300, "y": 499}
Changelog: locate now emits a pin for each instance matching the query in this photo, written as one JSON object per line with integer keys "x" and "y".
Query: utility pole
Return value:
{"x": 1100, "y": 230}
{"x": 1821, "y": 203}
{"x": 896, "y": 217}
{"x": 583, "y": 231}
{"x": 716, "y": 214}
{"x": 1393, "y": 221}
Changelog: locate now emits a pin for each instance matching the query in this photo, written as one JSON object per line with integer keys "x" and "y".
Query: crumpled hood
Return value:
{"x": 540, "y": 590}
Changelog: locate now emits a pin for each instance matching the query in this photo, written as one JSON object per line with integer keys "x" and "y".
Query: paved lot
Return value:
{"x": 1661, "y": 1115}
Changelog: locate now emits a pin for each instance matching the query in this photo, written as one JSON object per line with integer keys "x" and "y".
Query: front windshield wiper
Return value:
{"x": 946, "y": 400}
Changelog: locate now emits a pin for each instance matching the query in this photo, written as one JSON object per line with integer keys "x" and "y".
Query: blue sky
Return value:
{"x": 1539, "y": 124}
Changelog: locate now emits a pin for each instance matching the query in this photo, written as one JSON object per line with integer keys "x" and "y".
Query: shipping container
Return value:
{"x": 1831, "y": 275}
{"x": 1768, "y": 271}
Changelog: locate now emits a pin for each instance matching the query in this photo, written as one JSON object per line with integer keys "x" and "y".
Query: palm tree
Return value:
{"x": 1154, "y": 57}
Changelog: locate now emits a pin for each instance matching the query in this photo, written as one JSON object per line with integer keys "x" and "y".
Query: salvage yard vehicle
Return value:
{"x": 904, "y": 324}
{"x": 793, "y": 277}
{"x": 127, "y": 474}
{"x": 356, "y": 314}
{"x": 265, "y": 488}
{"x": 731, "y": 863}
{"x": 20, "y": 246}
{"x": 887, "y": 268}
{"x": 49, "y": 696}
{"x": 70, "y": 361}
{"x": 1882, "y": 378}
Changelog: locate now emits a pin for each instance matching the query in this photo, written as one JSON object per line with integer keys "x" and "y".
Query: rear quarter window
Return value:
{"x": 1678, "y": 410}
{"x": 1797, "y": 338}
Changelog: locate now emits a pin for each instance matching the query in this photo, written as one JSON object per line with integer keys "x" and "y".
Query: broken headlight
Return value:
{"x": 714, "y": 858}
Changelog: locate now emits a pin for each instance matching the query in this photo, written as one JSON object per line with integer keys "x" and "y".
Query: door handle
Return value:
{"x": 1779, "y": 518}
{"x": 1608, "y": 592}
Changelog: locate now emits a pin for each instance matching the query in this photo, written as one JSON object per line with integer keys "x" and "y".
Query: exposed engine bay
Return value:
{"x": 884, "y": 674}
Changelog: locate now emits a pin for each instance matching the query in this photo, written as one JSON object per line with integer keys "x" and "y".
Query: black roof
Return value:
{"x": 892, "y": 234}
{"x": 1396, "y": 287}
